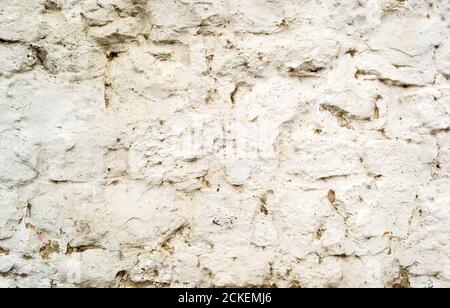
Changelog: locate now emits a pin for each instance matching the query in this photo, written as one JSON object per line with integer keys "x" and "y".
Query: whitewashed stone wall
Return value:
{"x": 289, "y": 143}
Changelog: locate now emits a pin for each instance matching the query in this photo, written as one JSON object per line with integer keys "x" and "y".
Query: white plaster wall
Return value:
{"x": 289, "y": 143}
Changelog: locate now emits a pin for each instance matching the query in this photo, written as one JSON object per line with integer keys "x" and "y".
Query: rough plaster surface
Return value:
{"x": 289, "y": 143}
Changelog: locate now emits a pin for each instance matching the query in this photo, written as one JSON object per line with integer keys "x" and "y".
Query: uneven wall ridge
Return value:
{"x": 288, "y": 143}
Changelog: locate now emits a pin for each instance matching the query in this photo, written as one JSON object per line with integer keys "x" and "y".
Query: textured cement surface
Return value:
{"x": 289, "y": 143}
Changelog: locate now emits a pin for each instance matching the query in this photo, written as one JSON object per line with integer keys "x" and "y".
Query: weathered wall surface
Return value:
{"x": 224, "y": 143}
